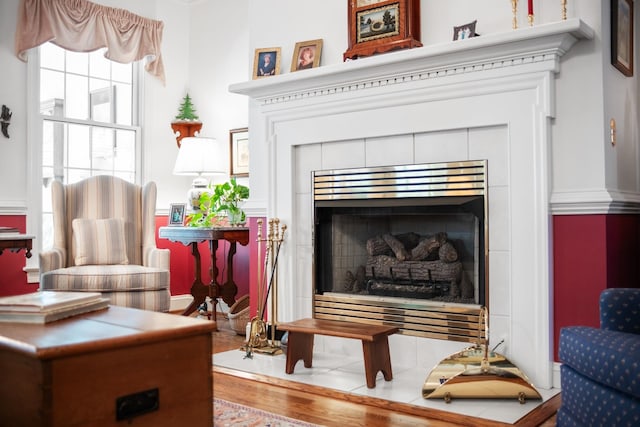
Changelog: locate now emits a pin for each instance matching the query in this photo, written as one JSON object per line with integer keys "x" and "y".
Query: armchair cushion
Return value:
{"x": 127, "y": 285}
{"x": 587, "y": 403}
{"x": 607, "y": 357}
{"x": 99, "y": 241}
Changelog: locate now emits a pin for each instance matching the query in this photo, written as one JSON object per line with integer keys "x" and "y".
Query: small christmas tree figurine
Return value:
{"x": 186, "y": 110}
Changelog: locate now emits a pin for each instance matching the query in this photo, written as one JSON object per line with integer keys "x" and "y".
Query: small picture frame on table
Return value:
{"x": 176, "y": 214}
{"x": 622, "y": 36}
{"x": 306, "y": 55}
{"x": 239, "y": 149}
{"x": 266, "y": 62}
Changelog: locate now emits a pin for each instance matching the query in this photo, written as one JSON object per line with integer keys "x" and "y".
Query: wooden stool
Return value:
{"x": 375, "y": 344}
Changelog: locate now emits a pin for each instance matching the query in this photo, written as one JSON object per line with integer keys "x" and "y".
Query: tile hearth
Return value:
{"x": 346, "y": 375}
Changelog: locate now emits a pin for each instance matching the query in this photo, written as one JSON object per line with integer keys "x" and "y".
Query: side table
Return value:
{"x": 194, "y": 235}
{"x": 15, "y": 242}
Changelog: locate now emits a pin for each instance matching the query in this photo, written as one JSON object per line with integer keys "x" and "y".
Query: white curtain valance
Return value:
{"x": 83, "y": 26}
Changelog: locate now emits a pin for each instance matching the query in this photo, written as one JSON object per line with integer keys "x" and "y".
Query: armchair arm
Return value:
{"x": 620, "y": 310}
{"x": 52, "y": 259}
{"x": 156, "y": 257}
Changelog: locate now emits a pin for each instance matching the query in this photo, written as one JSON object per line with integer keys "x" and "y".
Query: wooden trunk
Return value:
{"x": 72, "y": 372}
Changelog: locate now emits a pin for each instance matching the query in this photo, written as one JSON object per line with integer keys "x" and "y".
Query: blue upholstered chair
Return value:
{"x": 104, "y": 241}
{"x": 601, "y": 366}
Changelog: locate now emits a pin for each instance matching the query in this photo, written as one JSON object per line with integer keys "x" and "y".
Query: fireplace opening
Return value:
{"x": 429, "y": 249}
{"x": 403, "y": 245}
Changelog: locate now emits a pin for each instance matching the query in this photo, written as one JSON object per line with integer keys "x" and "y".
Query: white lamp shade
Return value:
{"x": 200, "y": 156}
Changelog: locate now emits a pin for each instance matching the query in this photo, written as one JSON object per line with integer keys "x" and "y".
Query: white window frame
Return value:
{"x": 34, "y": 123}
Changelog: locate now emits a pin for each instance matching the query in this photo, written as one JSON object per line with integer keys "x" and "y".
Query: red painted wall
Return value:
{"x": 13, "y": 280}
{"x": 591, "y": 253}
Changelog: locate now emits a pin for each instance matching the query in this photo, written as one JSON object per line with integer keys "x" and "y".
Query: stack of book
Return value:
{"x": 48, "y": 306}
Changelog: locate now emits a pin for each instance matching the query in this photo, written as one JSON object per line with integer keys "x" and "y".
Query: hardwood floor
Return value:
{"x": 319, "y": 406}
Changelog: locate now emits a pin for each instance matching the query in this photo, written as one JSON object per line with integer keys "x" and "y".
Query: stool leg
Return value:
{"x": 299, "y": 347}
{"x": 377, "y": 358}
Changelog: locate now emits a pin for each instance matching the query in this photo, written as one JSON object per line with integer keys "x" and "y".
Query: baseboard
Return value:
{"x": 556, "y": 375}
{"x": 180, "y": 302}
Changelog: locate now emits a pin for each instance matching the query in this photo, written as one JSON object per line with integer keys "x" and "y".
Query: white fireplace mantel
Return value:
{"x": 491, "y": 51}
{"x": 490, "y": 97}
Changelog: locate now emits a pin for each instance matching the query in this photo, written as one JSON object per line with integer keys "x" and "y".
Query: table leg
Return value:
{"x": 299, "y": 347}
{"x": 198, "y": 289}
{"x": 214, "y": 287}
{"x": 230, "y": 289}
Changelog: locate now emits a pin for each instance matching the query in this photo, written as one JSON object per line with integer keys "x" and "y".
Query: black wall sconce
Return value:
{"x": 5, "y": 117}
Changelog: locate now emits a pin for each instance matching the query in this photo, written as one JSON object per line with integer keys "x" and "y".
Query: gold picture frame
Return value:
{"x": 622, "y": 36}
{"x": 239, "y": 150}
{"x": 306, "y": 55}
{"x": 264, "y": 63}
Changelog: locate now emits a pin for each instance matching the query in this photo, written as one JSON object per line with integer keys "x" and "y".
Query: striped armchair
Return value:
{"x": 104, "y": 241}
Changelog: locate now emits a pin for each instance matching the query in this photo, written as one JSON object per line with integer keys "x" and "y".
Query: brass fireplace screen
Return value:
{"x": 404, "y": 246}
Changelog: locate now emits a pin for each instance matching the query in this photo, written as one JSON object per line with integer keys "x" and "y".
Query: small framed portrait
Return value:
{"x": 465, "y": 31}
{"x": 176, "y": 213}
{"x": 239, "y": 149}
{"x": 306, "y": 55}
{"x": 622, "y": 36}
{"x": 266, "y": 62}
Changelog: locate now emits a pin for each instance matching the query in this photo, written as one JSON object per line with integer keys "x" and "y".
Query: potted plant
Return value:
{"x": 223, "y": 201}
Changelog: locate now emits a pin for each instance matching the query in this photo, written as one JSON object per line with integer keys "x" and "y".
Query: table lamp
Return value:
{"x": 199, "y": 156}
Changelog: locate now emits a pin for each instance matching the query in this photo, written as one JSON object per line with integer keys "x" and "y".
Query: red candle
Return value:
{"x": 530, "y": 7}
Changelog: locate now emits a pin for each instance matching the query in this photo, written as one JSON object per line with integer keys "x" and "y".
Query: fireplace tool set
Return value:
{"x": 477, "y": 373}
{"x": 258, "y": 337}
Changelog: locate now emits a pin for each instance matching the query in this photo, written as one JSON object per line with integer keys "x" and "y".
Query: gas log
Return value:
{"x": 423, "y": 266}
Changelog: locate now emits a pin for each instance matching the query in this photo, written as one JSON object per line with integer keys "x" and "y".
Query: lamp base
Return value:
{"x": 198, "y": 186}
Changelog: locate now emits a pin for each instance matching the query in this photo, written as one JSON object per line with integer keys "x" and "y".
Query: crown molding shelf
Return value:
{"x": 528, "y": 45}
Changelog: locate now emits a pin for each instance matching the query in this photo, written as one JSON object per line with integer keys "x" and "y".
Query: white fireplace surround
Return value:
{"x": 490, "y": 97}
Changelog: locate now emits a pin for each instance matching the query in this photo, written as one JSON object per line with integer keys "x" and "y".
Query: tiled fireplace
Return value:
{"x": 489, "y": 98}
{"x": 402, "y": 246}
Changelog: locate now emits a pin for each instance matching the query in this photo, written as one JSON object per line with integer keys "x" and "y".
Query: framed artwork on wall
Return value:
{"x": 306, "y": 55}
{"x": 378, "y": 26}
{"x": 266, "y": 62}
{"x": 622, "y": 36}
{"x": 239, "y": 149}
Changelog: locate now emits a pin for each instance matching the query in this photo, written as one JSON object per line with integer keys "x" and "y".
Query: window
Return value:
{"x": 88, "y": 113}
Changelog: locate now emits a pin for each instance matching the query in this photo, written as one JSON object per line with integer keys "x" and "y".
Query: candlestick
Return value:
{"x": 564, "y": 9}
{"x": 514, "y": 9}
{"x": 530, "y": 15}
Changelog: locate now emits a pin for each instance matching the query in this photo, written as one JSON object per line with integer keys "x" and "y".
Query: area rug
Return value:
{"x": 229, "y": 414}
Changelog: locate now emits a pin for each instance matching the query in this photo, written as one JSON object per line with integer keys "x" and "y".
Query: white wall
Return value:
{"x": 13, "y": 151}
{"x": 209, "y": 44}
{"x": 205, "y": 48}
{"x": 590, "y": 90}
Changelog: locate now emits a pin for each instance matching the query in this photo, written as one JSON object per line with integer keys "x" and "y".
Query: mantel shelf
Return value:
{"x": 547, "y": 39}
